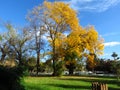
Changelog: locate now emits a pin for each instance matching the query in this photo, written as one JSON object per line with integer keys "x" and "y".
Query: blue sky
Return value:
{"x": 103, "y": 14}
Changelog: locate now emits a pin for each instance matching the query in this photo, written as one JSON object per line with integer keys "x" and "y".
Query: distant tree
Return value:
{"x": 118, "y": 70}
{"x": 103, "y": 65}
{"x": 114, "y": 55}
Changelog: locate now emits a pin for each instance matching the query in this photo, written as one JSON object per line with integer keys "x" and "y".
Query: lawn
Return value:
{"x": 68, "y": 83}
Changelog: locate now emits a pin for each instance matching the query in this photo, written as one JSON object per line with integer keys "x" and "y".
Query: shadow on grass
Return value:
{"x": 70, "y": 86}
{"x": 36, "y": 87}
{"x": 44, "y": 75}
{"x": 112, "y": 82}
{"x": 33, "y": 88}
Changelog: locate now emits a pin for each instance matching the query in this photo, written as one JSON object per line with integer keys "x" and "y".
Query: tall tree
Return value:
{"x": 59, "y": 17}
{"x": 36, "y": 27}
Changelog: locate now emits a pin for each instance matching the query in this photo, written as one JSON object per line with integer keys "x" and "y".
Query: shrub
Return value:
{"x": 10, "y": 78}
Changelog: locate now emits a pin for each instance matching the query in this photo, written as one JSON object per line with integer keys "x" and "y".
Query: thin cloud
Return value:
{"x": 92, "y": 5}
{"x": 107, "y": 54}
{"x": 111, "y": 34}
{"x": 111, "y": 44}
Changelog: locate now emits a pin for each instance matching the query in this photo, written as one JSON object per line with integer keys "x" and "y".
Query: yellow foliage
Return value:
{"x": 62, "y": 13}
{"x": 68, "y": 62}
{"x": 81, "y": 41}
{"x": 91, "y": 61}
{"x": 94, "y": 44}
{"x": 84, "y": 42}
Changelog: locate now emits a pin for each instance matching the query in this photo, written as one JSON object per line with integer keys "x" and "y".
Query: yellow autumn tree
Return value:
{"x": 73, "y": 49}
{"x": 83, "y": 42}
{"x": 58, "y": 18}
{"x": 95, "y": 46}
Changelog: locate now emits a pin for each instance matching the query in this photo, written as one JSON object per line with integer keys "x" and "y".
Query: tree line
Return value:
{"x": 53, "y": 31}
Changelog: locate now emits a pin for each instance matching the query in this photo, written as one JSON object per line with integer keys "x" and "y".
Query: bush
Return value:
{"x": 59, "y": 68}
{"x": 10, "y": 78}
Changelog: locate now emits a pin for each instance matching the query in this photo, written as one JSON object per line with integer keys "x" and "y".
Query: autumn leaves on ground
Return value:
{"x": 54, "y": 35}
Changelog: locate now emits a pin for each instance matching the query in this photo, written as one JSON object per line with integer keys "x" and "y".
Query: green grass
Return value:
{"x": 68, "y": 83}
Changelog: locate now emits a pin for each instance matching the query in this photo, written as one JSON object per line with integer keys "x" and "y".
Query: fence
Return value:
{"x": 99, "y": 86}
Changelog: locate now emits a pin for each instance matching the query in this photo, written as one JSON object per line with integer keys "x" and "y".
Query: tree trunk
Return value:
{"x": 54, "y": 67}
{"x": 20, "y": 59}
{"x": 2, "y": 58}
{"x": 54, "y": 60}
{"x": 71, "y": 68}
{"x": 71, "y": 71}
{"x": 38, "y": 61}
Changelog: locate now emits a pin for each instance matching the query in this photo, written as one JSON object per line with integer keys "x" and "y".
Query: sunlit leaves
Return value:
{"x": 61, "y": 13}
{"x": 85, "y": 42}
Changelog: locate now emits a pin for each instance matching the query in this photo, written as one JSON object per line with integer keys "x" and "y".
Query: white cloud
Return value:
{"x": 111, "y": 44}
{"x": 92, "y": 5}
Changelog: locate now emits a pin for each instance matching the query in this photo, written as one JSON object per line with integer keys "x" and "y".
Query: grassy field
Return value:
{"x": 68, "y": 83}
